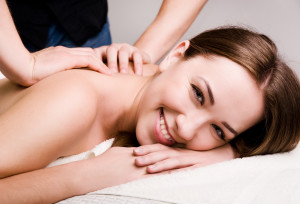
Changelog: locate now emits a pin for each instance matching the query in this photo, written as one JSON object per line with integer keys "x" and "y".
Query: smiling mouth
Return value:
{"x": 164, "y": 127}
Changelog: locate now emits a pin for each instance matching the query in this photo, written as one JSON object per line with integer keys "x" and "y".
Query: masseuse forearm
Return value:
{"x": 172, "y": 21}
{"x": 15, "y": 60}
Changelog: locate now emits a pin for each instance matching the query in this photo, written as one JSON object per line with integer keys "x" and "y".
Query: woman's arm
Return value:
{"x": 45, "y": 185}
{"x": 115, "y": 166}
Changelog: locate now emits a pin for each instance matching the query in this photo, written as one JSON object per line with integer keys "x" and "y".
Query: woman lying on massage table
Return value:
{"x": 221, "y": 95}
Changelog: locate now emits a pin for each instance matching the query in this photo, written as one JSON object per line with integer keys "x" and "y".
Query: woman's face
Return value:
{"x": 201, "y": 103}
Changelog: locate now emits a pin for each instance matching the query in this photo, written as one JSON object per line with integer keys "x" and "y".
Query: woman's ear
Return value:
{"x": 174, "y": 55}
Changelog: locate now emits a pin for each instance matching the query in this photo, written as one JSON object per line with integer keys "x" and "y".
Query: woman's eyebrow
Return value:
{"x": 230, "y": 128}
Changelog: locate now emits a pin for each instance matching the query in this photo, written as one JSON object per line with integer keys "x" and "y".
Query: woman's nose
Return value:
{"x": 186, "y": 127}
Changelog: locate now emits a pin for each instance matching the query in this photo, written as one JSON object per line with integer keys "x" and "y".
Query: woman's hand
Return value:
{"x": 118, "y": 56}
{"x": 113, "y": 167}
{"x": 159, "y": 158}
{"x": 54, "y": 59}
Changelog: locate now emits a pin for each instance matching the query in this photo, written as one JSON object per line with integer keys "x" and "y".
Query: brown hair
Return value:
{"x": 279, "y": 131}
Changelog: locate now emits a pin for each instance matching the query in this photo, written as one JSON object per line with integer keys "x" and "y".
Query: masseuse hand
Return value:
{"x": 159, "y": 158}
{"x": 118, "y": 56}
{"x": 54, "y": 59}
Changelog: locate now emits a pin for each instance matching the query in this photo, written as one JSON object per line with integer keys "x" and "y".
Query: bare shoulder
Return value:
{"x": 53, "y": 117}
{"x": 66, "y": 82}
{"x": 73, "y": 77}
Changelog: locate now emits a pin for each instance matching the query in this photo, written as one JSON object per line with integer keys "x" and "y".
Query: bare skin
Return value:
{"x": 72, "y": 111}
{"x": 20, "y": 149}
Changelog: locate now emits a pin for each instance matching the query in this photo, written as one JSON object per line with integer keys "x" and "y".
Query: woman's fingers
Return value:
{"x": 151, "y": 158}
{"x": 167, "y": 165}
{"x": 161, "y": 158}
{"x": 146, "y": 149}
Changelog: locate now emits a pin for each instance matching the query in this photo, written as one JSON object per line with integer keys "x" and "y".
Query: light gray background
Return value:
{"x": 279, "y": 19}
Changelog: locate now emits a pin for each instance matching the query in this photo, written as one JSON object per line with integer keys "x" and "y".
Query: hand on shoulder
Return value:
{"x": 118, "y": 56}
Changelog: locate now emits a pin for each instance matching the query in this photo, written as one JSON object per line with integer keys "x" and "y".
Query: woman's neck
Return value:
{"x": 126, "y": 100}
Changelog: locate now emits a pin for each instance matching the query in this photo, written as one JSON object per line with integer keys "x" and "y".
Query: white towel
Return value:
{"x": 1, "y": 76}
{"x": 258, "y": 179}
{"x": 97, "y": 150}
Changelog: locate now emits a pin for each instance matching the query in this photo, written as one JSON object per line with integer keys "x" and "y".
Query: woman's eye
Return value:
{"x": 219, "y": 132}
{"x": 198, "y": 94}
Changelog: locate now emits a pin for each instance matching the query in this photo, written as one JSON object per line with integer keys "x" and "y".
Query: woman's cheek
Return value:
{"x": 143, "y": 135}
{"x": 203, "y": 144}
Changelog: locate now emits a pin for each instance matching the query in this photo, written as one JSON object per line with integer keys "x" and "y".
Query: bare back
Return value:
{"x": 59, "y": 116}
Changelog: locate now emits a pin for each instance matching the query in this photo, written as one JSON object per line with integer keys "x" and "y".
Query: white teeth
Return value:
{"x": 164, "y": 129}
{"x": 162, "y": 122}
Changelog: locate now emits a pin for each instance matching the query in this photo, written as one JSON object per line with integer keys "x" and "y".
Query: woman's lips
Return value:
{"x": 161, "y": 132}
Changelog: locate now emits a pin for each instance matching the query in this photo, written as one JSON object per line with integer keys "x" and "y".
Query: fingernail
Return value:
{"x": 138, "y": 150}
{"x": 153, "y": 166}
{"x": 140, "y": 159}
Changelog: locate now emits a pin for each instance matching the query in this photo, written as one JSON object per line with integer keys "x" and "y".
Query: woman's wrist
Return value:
{"x": 89, "y": 176}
